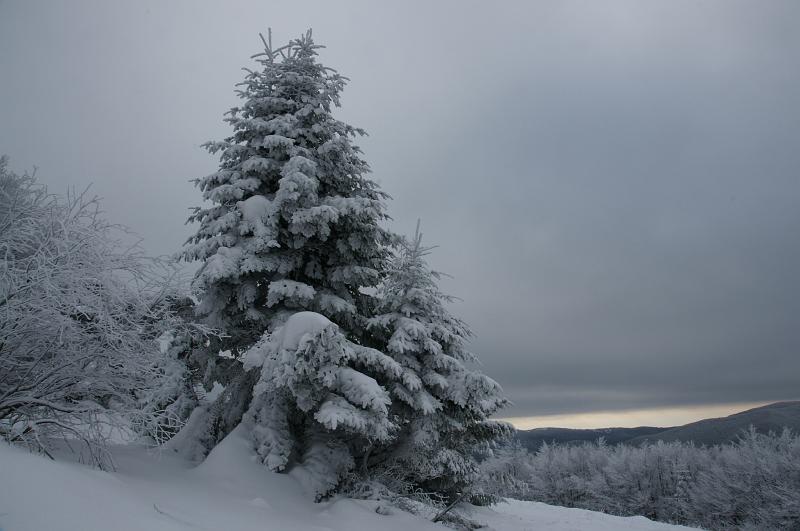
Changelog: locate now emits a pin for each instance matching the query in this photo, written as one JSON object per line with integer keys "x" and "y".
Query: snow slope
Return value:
{"x": 516, "y": 515}
{"x": 157, "y": 491}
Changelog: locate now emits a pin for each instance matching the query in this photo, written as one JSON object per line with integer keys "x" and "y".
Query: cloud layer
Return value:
{"x": 614, "y": 187}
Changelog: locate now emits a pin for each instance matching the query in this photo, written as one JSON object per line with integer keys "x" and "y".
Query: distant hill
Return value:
{"x": 772, "y": 417}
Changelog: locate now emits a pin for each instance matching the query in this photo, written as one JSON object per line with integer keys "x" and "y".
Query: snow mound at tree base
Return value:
{"x": 158, "y": 491}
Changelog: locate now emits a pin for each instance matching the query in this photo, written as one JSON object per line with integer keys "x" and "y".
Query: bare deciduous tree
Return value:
{"x": 80, "y": 315}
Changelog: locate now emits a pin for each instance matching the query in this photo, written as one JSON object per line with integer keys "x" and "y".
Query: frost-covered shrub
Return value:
{"x": 504, "y": 473}
{"x": 80, "y": 314}
{"x": 753, "y": 483}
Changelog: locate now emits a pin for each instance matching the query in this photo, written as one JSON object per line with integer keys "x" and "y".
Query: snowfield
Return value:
{"x": 517, "y": 515}
{"x": 230, "y": 491}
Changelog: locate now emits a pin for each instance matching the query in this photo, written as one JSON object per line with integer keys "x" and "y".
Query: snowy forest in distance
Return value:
{"x": 312, "y": 337}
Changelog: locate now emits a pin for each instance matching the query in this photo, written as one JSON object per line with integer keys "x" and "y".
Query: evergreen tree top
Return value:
{"x": 294, "y": 222}
{"x": 410, "y": 298}
{"x": 410, "y": 268}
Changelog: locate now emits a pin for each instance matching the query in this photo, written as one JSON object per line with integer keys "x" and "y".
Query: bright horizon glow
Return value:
{"x": 658, "y": 417}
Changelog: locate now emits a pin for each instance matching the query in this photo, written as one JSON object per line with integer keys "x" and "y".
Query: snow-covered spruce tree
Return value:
{"x": 315, "y": 403}
{"x": 442, "y": 405}
{"x": 294, "y": 221}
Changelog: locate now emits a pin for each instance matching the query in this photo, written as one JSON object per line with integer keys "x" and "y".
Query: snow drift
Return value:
{"x": 158, "y": 491}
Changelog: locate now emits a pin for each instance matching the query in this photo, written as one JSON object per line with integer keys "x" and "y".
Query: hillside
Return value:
{"x": 772, "y": 417}
{"x": 156, "y": 491}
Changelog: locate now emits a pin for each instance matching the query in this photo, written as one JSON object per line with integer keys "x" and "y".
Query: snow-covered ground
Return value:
{"x": 157, "y": 491}
{"x": 516, "y": 515}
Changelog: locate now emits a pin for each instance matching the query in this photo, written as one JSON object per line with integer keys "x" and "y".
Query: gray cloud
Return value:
{"x": 614, "y": 186}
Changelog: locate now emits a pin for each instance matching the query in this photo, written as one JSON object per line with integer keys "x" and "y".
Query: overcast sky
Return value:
{"x": 614, "y": 186}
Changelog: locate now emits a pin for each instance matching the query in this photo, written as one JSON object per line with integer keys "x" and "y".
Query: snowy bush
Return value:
{"x": 80, "y": 314}
{"x": 753, "y": 483}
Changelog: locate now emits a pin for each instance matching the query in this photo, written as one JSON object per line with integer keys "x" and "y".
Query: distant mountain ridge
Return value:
{"x": 772, "y": 417}
{"x": 533, "y": 439}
